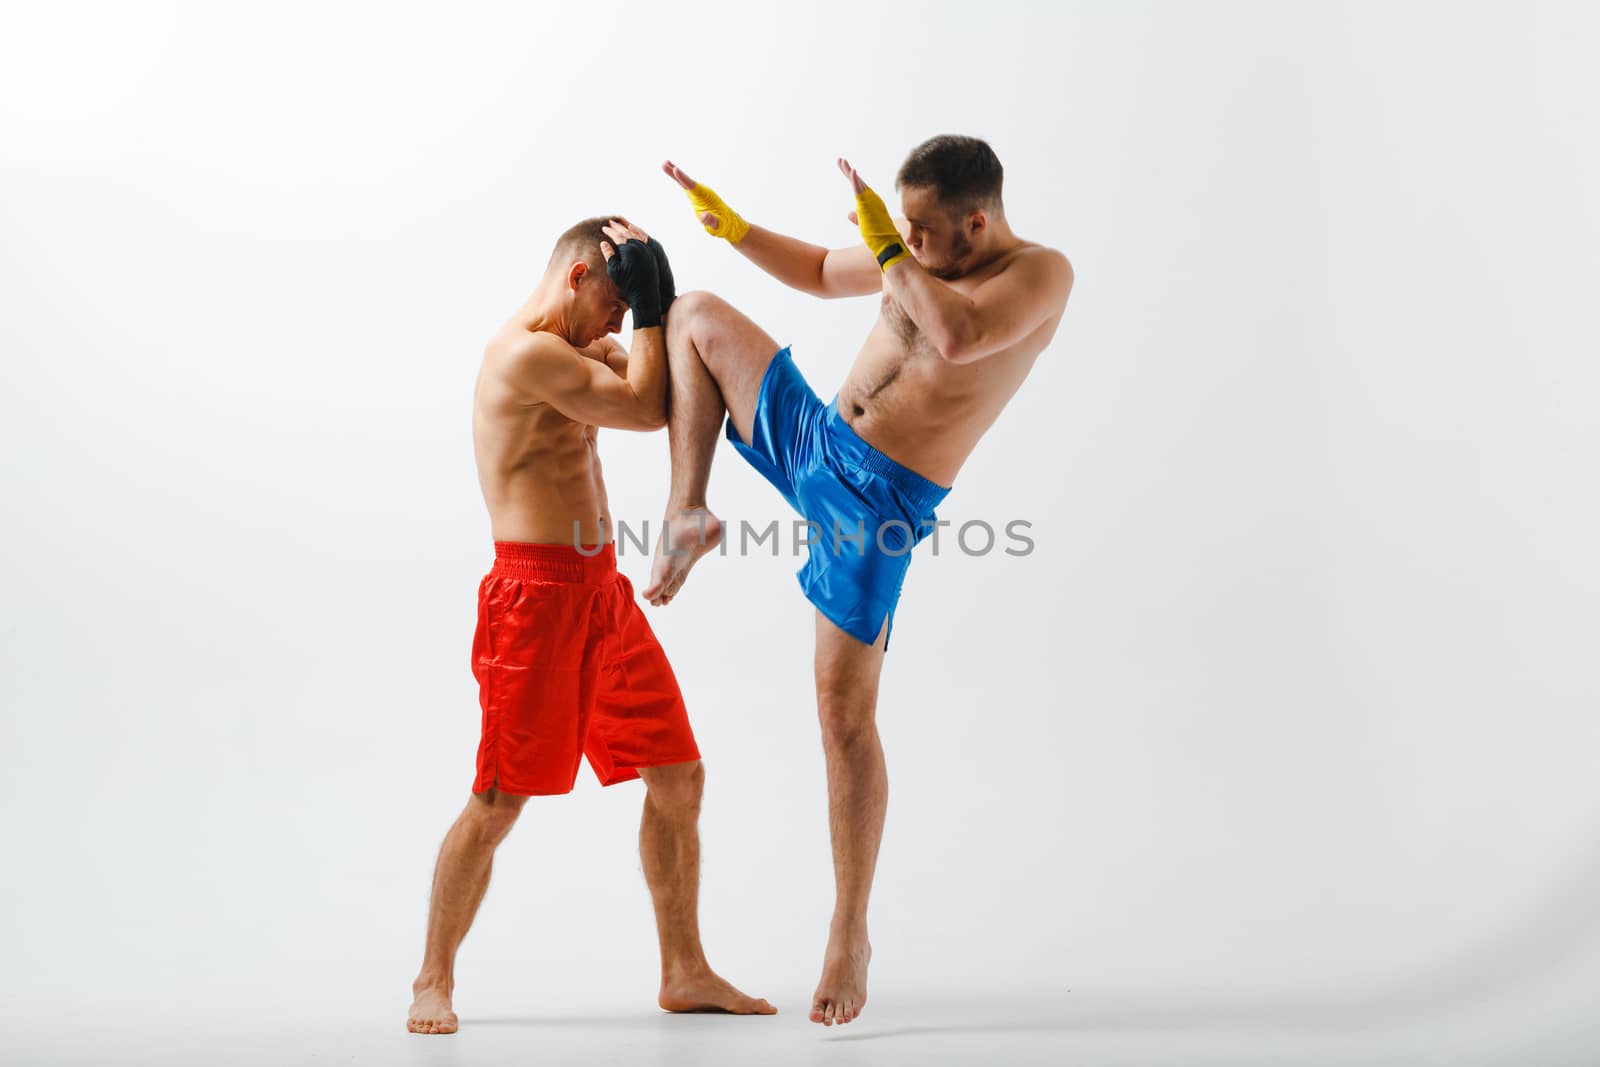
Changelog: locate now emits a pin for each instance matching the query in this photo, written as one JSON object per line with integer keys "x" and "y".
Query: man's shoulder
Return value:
{"x": 522, "y": 363}
{"x": 517, "y": 346}
{"x": 1041, "y": 266}
{"x": 1040, "y": 257}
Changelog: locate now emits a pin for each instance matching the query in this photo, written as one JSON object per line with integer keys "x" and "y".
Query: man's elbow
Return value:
{"x": 643, "y": 419}
{"x": 817, "y": 285}
{"x": 653, "y": 415}
{"x": 962, "y": 348}
{"x": 951, "y": 352}
{"x": 637, "y": 417}
{"x": 809, "y": 288}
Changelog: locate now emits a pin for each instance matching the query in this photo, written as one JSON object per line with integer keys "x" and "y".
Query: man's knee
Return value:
{"x": 694, "y": 312}
{"x": 491, "y": 814}
{"x": 846, "y": 719}
{"x": 677, "y": 786}
{"x": 686, "y": 312}
{"x": 695, "y": 304}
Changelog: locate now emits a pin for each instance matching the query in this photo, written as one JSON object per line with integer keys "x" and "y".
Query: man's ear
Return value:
{"x": 977, "y": 222}
{"x": 575, "y": 274}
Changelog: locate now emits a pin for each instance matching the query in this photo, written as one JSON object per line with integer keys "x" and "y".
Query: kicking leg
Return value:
{"x": 669, "y": 844}
{"x": 460, "y": 878}
{"x": 716, "y": 359}
{"x": 858, "y": 796}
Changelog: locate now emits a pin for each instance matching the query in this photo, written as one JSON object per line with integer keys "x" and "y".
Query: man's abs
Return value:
{"x": 539, "y": 471}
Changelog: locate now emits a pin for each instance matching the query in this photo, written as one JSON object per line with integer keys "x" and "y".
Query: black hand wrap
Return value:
{"x": 668, "y": 291}
{"x": 633, "y": 271}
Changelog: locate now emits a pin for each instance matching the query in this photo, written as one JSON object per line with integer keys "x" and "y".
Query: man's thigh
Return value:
{"x": 734, "y": 350}
{"x": 847, "y": 673}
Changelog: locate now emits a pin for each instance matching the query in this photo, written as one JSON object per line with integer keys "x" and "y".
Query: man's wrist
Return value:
{"x": 665, "y": 286}
{"x": 891, "y": 256}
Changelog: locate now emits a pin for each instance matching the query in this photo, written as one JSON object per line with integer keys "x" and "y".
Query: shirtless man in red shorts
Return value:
{"x": 567, "y": 667}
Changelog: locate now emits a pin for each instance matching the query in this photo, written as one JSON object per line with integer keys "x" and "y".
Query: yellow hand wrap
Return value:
{"x": 878, "y": 230}
{"x": 728, "y": 223}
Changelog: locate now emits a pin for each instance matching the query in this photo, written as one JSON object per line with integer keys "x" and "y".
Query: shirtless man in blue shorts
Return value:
{"x": 967, "y": 306}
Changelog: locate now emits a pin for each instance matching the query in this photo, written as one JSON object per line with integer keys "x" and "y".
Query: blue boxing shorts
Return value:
{"x": 866, "y": 511}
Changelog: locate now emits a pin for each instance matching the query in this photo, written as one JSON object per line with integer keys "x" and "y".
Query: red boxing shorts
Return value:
{"x": 568, "y": 667}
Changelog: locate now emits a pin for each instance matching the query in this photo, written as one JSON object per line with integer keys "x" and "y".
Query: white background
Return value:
{"x": 1280, "y": 748}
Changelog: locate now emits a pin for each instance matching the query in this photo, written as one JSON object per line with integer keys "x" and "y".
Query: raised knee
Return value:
{"x": 693, "y": 308}
{"x": 694, "y": 303}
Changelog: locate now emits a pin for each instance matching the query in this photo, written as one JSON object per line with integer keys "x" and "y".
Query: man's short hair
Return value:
{"x": 963, "y": 172}
{"x": 582, "y": 242}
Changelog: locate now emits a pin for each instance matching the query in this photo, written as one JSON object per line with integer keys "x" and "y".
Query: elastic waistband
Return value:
{"x": 922, "y": 493}
{"x": 594, "y": 565}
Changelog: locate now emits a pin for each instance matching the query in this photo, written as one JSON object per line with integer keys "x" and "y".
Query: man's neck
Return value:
{"x": 1002, "y": 242}
{"x": 544, "y": 312}
{"x": 996, "y": 249}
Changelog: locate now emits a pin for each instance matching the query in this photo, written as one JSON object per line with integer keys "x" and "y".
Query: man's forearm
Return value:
{"x": 647, "y": 372}
{"x": 944, "y": 316}
{"x": 793, "y": 262}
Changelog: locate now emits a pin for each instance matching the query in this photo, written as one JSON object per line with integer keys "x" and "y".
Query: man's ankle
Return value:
{"x": 686, "y": 965}
{"x": 427, "y": 981}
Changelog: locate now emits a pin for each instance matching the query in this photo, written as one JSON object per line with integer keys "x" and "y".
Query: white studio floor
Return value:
{"x": 902, "y": 1026}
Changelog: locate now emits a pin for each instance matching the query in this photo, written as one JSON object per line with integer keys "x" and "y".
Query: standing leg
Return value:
{"x": 716, "y": 359}
{"x": 669, "y": 844}
{"x": 460, "y": 878}
{"x": 858, "y": 796}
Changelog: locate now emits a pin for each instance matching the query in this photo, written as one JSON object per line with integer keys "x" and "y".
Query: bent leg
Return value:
{"x": 669, "y": 845}
{"x": 460, "y": 879}
{"x": 847, "y": 674}
{"x": 716, "y": 358}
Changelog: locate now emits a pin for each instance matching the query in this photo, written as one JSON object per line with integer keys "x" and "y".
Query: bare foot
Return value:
{"x": 686, "y": 535}
{"x": 842, "y": 992}
{"x": 430, "y": 1012}
{"x": 706, "y": 992}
